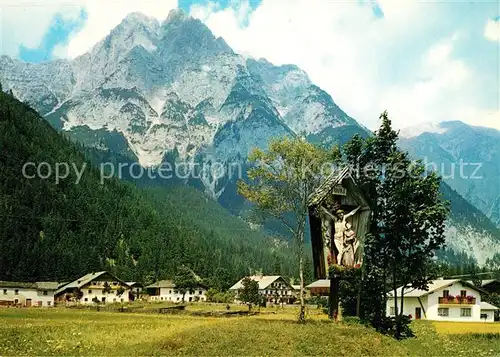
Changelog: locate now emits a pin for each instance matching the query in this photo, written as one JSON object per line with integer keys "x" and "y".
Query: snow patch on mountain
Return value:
{"x": 414, "y": 131}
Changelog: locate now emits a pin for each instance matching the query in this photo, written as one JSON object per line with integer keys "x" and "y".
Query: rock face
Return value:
{"x": 467, "y": 157}
{"x": 173, "y": 92}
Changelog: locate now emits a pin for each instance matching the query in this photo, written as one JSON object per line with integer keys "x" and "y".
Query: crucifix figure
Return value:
{"x": 341, "y": 241}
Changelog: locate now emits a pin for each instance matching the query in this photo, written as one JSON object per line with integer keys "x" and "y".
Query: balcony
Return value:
{"x": 451, "y": 300}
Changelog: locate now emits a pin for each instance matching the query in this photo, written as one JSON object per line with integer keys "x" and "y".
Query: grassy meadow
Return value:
{"x": 73, "y": 332}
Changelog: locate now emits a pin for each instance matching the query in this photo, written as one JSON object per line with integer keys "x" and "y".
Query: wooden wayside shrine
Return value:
{"x": 339, "y": 219}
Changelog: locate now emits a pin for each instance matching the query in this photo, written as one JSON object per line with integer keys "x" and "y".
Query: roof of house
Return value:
{"x": 162, "y": 284}
{"x": 133, "y": 283}
{"x": 84, "y": 280}
{"x": 334, "y": 179}
{"x": 296, "y": 287}
{"x": 486, "y": 306}
{"x": 321, "y": 283}
{"x": 263, "y": 280}
{"x": 40, "y": 285}
{"x": 433, "y": 286}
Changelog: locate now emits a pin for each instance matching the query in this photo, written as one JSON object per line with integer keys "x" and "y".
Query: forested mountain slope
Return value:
{"x": 52, "y": 231}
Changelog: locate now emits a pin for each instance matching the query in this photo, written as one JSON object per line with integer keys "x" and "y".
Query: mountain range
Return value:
{"x": 173, "y": 92}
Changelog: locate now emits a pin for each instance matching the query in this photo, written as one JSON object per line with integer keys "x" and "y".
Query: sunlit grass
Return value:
{"x": 273, "y": 332}
{"x": 452, "y": 328}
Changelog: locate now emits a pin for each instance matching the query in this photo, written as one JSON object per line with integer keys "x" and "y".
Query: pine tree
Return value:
{"x": 408, "y": 218}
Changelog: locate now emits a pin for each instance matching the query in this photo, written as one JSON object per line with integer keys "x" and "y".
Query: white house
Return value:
{"x": 40, "y": 294}
{"x": 273, "y": 287}
{"x": 445, "y": 300}
{"x": 102, "y": 287}
{"x": 164, "y": 290}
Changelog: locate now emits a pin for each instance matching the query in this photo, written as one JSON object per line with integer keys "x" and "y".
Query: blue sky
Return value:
{"x": 423, "y": 61}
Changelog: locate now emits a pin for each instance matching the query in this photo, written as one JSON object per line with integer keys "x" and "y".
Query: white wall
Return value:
{"x": 91, "y": 292}
{"x": 22, "y": 294}
{"x": 169, "y": 294}
{"x": 409, "y": 306}
{"x": 490, "y": 315}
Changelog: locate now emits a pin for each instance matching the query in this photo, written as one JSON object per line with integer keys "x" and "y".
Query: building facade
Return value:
{"x": 274, "y": 288}
{"x": 164, "y": 290}
{"x": 446, "y": 300}
{"x": 39, "y": 294}
{"x": 101, "y": 287}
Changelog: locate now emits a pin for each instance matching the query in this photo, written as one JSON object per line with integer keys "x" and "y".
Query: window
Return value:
{"x": 39, "y": 303}
{"x": 49, "y": 303}
{"x": 190, "y": 299}
{"x": 393, "y": 311}
{"x": 444, "y": 311}
{"x": 86, "y": 299}
{"x": 465, "y": 312}
{"x": 103, "y": 299}
{"x": 463, "y": 293}
{"x": 45, "y": 293}
{"x": 5, "y": 291}
{"x": 16, "y": 301}
{"x": 16, "y": 292}
{"x": 90, "y": 291}
{"x": 121, "y": 300}
{"x": 200, "y": 292}
{"x": 170, "y": 291}
{"x": 446, "y": 293}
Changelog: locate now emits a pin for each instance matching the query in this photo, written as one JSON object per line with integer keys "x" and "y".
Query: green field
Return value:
{"x": 88, "y": 332}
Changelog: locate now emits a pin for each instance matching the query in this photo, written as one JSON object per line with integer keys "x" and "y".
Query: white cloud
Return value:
{"x": 492, "y": 30}
{"x": 26, "y": 22}
{"x": 103, "y": 16}
{"x": 404, "y": 62}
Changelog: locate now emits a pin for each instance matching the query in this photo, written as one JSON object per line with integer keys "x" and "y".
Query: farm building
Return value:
{"x": 102, "y": 287}
{"x": 273, "y": 287}
{"x": 320, "y": 287}
{"x": 164, "y": 290}
{"x": 445, "y": 300}
{"x": 490, "y": 285}
{"x": 40, "y": 294}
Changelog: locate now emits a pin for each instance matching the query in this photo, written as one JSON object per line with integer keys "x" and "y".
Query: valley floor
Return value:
{"x": 88, "y": 332}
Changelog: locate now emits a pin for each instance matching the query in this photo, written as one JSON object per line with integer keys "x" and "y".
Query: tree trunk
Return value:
{"x": 396, "y": 310}
{"x": 302, "y": 314}
{"x": 333, "y": 294}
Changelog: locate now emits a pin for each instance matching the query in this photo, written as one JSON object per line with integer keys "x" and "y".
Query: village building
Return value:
{"x": 39, "y": 294}
{"x": 101, "y": 287}
{"x": 164, "y": 290}
{"x": 135, "y": 287}
{"x": 489, "y": 285}
{"x": 320, "y": 287}
{"x": 445, "y": 300}
{"x": 274, "y": 288}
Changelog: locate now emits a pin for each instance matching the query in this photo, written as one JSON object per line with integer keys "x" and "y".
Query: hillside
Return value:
{"x": 60, "y": 231}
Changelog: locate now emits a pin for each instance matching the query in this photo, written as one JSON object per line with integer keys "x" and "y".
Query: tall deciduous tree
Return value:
{"x": 408, "y": 217}
{"x": 281, "y": 181}
{"x": 185, "y": 281}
